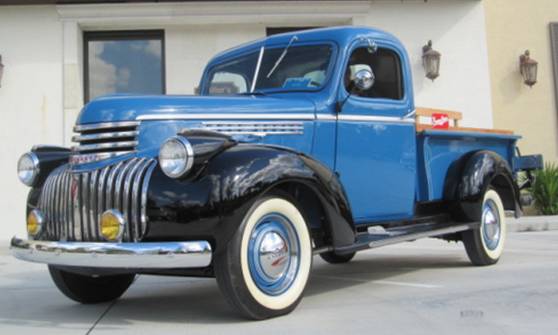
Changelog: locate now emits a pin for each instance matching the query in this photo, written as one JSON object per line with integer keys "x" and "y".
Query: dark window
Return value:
{"x": 386, "y": 67}
{"x": 124, "y": 62}
{"x": 554, "y": 41}
{"x": 281, "y": 30}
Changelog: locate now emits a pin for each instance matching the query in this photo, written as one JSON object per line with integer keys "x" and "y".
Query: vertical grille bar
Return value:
{"x": 93, "y": 206}
{"x": 101, "y": 193}
{"x": 126, "y": 197}
{"x": 110, "y": 185}
{"x": 76, "y": 181}
{"x": 73, "y": 202}
{"x": 134, "y": 217}
{"x": 85, "y": 206}
{"x": 143, "y": 219}
{"x": 46, "y": 205}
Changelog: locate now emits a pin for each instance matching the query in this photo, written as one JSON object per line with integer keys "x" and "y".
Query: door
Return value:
{"x": 376, "y": 141}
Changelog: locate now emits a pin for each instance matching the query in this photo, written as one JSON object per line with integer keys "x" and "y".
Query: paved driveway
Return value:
{"x": 425, "y": 287}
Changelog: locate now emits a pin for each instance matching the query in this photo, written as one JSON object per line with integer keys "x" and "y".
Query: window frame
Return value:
{"x": 206, "y": 77}
{"x": 399, "y": 65}
{"x": 121, "y": 35}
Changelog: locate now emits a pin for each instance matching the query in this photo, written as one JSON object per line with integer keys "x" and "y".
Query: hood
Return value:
{"x": 129, "y": 108}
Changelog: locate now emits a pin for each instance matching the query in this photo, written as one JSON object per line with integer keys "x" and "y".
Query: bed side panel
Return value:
{"x": 440, "y": 154}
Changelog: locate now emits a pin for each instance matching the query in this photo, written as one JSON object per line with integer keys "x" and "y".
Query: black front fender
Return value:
{"x": 211, "y": 203}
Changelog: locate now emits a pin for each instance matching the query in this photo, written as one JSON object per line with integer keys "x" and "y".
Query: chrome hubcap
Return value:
{"x": 491, "y": 229}
{"x": 273, "y": 254}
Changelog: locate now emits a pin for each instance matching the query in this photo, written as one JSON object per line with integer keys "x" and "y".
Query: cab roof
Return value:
{"x": 341, "y": 35}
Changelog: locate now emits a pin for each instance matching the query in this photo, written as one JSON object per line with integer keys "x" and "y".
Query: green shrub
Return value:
{"x": 545, "y": 190}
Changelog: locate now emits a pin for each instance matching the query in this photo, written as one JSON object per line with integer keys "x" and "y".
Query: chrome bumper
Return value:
{"x": 144, "y": 255}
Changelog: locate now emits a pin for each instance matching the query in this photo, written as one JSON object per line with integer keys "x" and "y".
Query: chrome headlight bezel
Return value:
{"x": 181, "y": 165}
{"x": 28, "y": 176}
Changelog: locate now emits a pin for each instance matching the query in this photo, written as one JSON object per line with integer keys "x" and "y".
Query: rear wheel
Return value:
{"x": 265, "y": 267}
{"x": 90, "y": 289}
{"x": 484, "y": 245}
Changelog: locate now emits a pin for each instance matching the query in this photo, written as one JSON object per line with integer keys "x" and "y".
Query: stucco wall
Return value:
{"x": 512, "y": 27}
{"x": 42, "y": 90}
{"x": 30, "y": 99}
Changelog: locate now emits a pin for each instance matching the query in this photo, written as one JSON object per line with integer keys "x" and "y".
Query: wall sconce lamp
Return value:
{"x": 431, "y": 61}
{"x": 1, "y": 70}
{"x": 528, "y": 68}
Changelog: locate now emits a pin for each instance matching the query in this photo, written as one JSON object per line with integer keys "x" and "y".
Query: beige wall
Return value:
{"x": 512, "y": 27}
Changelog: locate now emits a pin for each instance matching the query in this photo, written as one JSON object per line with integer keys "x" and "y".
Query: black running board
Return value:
{"x": 404, "y": 234}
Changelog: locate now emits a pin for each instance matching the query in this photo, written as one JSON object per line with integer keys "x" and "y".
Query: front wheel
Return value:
{"x": 484, "y": 245}
{"x": 90, "y": 289}
{"x": 265, "y": 267}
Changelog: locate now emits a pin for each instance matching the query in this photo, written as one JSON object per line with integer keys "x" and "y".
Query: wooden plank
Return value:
{"x": 427, "y": 112}
{"x": 423, "y": 127}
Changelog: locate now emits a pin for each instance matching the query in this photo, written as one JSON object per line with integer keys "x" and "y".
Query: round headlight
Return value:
{"x": 28, "y": 168}
{"x": 176, "y": 157}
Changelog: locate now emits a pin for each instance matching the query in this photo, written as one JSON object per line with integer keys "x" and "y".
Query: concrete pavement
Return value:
{"x": 424, "y": 287}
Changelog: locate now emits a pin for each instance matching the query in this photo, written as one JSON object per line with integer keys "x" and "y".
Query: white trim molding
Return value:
{"x": 217, "y": 12}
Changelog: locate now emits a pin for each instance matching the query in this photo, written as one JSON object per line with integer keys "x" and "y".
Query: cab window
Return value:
{"x": 386, "y": 67}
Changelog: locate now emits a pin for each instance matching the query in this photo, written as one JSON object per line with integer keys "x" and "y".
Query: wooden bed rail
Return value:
{"x": 455, "y": 117}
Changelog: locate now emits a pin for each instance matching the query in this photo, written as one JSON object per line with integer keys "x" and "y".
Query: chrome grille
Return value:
{"x": 104, "y": 140}
{"x": 263, "y": 128}
{"x": 73, "y": 202}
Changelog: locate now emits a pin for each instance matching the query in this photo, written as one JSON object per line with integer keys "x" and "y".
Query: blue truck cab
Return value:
{"x": 299, "y": 144}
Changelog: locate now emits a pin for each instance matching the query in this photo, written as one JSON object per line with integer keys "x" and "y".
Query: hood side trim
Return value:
{"x": 231, "y": 116}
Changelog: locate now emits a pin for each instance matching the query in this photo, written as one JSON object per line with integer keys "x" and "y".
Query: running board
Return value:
{"x": 404, "y": 234}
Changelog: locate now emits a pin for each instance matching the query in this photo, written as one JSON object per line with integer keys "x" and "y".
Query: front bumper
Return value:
{"x": 140, "y": 255}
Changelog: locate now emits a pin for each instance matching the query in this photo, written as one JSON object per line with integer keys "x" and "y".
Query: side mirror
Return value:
{"x": 364, "y": 79}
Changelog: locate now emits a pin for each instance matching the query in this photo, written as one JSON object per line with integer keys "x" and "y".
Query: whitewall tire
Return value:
{"x": 485, "y": 244}
{"x": 266, "y": 266}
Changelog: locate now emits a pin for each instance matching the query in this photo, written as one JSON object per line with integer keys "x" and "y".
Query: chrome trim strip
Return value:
{"x": 99, "y": 146}
{"x": 273, "y": 116}
{"x": 105, "y": 125}
{"x": 230, "y": 116}
{"x": 105, "y": 136}
{"x": 146, "y": 255}
{"x": 374, "y": 118}
{"x": 326, "y": 117}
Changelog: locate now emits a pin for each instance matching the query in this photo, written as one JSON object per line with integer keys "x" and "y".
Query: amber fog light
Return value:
{"x": 112, "y": 225}
{"x": 35, "y": 221}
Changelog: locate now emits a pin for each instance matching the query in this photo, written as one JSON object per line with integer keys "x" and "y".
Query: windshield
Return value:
{"x": 301, "y": 68}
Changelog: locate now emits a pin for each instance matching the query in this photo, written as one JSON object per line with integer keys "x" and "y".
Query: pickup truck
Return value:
{"x": 299, "y": 144}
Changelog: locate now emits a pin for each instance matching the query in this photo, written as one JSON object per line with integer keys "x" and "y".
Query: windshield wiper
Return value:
{"x": 283, "y": 54}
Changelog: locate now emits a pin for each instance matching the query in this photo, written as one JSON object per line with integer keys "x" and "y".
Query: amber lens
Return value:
{"x": 111, "y": 225}
{"x": 33, "y": 223}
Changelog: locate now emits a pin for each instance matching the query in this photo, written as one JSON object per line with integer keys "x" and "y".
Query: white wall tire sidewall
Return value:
{"x": 497, "y": 252}
{"x": 283, "y": 207}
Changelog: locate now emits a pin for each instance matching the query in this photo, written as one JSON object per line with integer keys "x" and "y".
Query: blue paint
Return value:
{"x": 384, "y": 167}
{"x": 438, "y": 150}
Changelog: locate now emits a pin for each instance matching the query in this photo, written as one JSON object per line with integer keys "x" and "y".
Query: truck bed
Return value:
{"x": 439, "y": 151}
